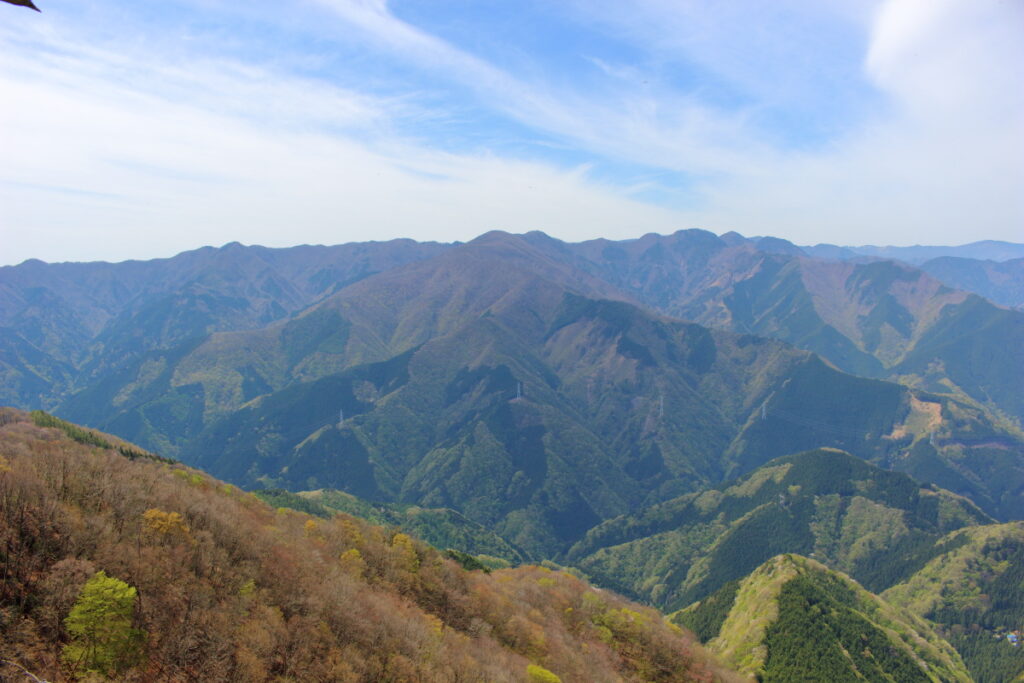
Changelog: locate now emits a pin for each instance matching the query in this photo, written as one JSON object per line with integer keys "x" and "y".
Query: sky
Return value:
{"x": 141, "y": 129}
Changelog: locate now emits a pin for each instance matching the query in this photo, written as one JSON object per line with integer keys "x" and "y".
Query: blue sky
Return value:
{"x": 136, "y": 130}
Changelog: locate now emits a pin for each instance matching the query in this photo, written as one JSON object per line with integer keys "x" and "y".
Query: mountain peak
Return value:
{"x": 495, "y": 236}
{"x": 776, "y": 245}
{"x": 733, "y": 238}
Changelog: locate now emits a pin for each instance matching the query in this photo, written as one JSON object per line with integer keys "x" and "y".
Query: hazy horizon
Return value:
{"x": 136, "y": 130}
{"x": 456, "y": 242}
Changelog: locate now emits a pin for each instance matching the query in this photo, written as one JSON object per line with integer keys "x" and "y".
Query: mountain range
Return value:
{"x": 997, "y": 281}
{"x": 717, "y": 426}
{"x": 537, "y": 387}
{"x": 984, "y": 250}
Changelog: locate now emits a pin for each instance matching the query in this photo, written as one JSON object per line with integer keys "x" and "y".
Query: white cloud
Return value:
{"x": 164, "y": 158}
{"x": 628, "y": 122}
{"x": 140, "y": 151}
{"x": 937, "y": 147}
{"x": 938, "y": 158}
{"x": 959, "y": 62}
{"x": 944, "y": 164}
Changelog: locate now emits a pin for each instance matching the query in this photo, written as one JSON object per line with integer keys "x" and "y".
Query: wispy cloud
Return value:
{"x": 894, "y": 121}
{"x": 628, "y": 120}
{"x": 942, "y": 163}
{"x": 167, "y": 157}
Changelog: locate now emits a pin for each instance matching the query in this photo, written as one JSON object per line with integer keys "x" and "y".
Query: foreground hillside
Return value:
{"x": 793, "y": 619}
{"x": 440, "y": 527}
{"x": 133, "y": 566}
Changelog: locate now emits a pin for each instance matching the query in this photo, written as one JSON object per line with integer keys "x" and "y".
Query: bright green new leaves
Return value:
{"x": 100, "y": 624}
{"x": 539, "y": 674}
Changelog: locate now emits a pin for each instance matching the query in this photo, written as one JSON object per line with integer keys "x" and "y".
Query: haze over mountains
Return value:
{"x": 405, "y": 371}
{"x": 669, "y": 414}
{"x": 984, "y": 250}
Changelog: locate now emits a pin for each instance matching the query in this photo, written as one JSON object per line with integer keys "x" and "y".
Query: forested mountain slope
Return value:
{"x": 793, "y": 619}
{"x": 1000, "y": 282}
{"x": 519, "y": 381}
{"x": 874, "y": 525}
{"x": 168, "y": 575}
{"x": 974, "y": 590}
{"x": 881, "y": 319}
{"x": 66, "y": 325}
{"x": 492, "y": 381}
{"x": 440, "y": 527}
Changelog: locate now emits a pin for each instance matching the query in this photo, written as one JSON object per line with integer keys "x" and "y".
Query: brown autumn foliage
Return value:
{"x": 230, "y": 589}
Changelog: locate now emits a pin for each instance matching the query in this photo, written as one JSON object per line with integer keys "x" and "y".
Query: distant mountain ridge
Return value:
{"x": 1001, "y": 282}
{"x": 879, "y": 319}
{"x": 63, "y": 325}
{"x": 986, "y": 250}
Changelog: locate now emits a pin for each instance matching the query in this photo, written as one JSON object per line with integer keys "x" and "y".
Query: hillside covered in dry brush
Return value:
{"x": 227, "y": 588}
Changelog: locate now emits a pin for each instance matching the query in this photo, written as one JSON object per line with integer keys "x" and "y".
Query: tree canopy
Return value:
{"x": 100, "y": 624}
